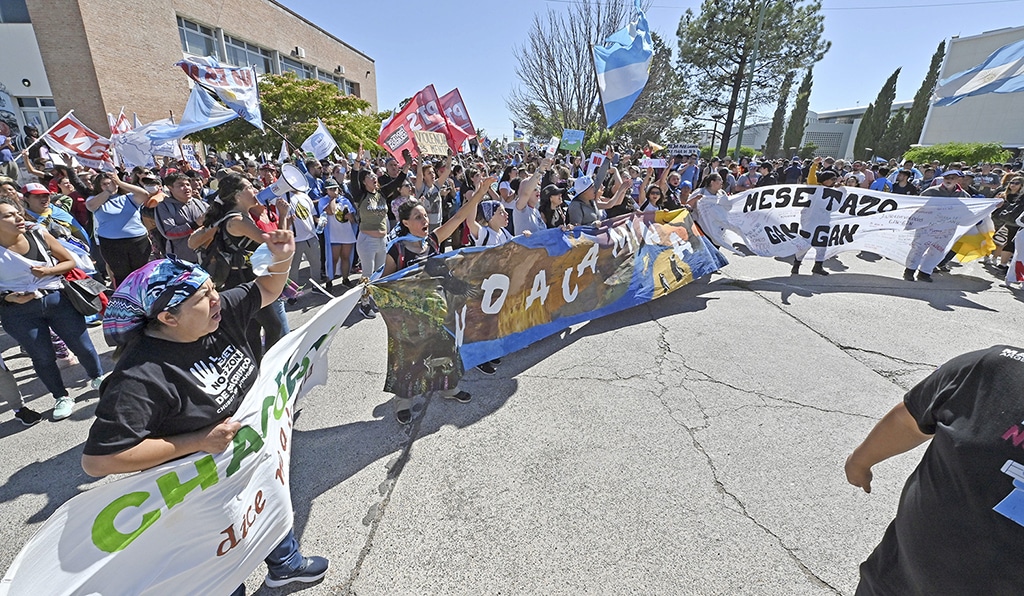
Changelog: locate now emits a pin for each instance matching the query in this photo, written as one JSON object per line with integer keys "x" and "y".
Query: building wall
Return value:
{"x": 102, "y": 56}
{"x": 991, "y": 118}
{"x": 28, "y": 65}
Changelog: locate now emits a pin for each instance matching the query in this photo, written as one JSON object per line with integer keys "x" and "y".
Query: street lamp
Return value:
{"x": 750, "y": 77}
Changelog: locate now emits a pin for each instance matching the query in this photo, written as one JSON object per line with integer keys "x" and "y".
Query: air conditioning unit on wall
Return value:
{"x": 299, "y": 52}
{"x": 340, "y": 69}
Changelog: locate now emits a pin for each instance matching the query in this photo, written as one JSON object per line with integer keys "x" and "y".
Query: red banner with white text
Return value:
{"x": 423, "y": 112}
{"x": 460, "y": 126}
{"x": 70, "y": 136}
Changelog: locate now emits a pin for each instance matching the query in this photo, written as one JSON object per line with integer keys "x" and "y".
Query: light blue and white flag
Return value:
{"x": 1002, "y": 72}
{"x": 320, "y": 143}
{"x": 623, "y": 66}
{"x": 235, "y": 86}
{"x": 201, "y": 112}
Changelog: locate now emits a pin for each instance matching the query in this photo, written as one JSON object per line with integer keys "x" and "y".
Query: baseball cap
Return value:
{"x": 950, "y": 173}
{"x": 34, "y": 188}
{"x": 550, "y": 190}
{"x": 581, "y": 184}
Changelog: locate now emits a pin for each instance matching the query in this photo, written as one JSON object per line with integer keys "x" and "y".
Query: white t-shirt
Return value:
{"x": 302, "y": 211}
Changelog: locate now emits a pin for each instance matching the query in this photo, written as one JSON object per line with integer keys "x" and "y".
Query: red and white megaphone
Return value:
{"x": 292, "y": 180}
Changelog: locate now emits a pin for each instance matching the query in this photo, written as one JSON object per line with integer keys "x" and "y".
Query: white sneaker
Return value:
{"x": 68, "y": 362}
{"x": 95, "y": 383}
{"x": 63, "y": 408}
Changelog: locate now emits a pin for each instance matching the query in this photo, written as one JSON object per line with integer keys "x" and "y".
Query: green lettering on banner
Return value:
{"x": 106, "y": 537}
{"x": 173, "y": 491}
{"x": 246, "y": 442}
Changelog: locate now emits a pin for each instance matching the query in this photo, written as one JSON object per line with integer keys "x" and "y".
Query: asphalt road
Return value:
{"x": 694, "y": 445}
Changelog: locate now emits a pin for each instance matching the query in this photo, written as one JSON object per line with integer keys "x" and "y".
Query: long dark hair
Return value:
{"x": 404, "y": 212}
{"x": 226, "y": 200}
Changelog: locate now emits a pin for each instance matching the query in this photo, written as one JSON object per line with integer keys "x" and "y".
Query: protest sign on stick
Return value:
{"x": 431, "y": 143}
{"x": 572, "y": 140}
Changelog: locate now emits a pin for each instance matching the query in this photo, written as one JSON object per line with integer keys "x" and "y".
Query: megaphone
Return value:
{"x": 292, "y": 180}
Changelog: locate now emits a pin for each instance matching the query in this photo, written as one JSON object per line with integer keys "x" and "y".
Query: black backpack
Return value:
{"x": 220, "y": 257}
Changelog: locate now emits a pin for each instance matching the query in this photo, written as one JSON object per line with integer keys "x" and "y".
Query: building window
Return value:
{"x": 241, "y": 53}
{"x": 197, "y": 39}
{"x": 39, "y": 111}
{"x": 301, "y": 70}
{"x": 351, "y": 88}
{"x": 13, "y": 11}
{"x": 329, "y": 78}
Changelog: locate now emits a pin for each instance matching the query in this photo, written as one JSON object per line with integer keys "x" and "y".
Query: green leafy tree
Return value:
{"x": 873, "y": 127}
{"x": 773, "y": 144}
{"x": 798, "y": 118}
{"x": 292, "y": 105}
{"x": 716, "y": 47}
{"x": 922, "y": 99}
{"x": 893, "y": 143}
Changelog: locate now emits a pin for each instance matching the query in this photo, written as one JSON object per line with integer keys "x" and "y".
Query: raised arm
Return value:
{"x": 466, "y": 213}
{"x": 528, "y": 186}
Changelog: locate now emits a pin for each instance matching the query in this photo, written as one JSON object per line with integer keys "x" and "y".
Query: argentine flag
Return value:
{"x": 623, "y": 65}
{"x": 201, "y": 112}
{"x": 1002, "y": 72}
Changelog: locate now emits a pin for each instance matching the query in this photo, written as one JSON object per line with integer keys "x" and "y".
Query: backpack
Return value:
{"x": 220, "y": 257}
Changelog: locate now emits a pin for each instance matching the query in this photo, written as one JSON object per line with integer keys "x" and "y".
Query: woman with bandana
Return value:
{"x": 184, "y": 369}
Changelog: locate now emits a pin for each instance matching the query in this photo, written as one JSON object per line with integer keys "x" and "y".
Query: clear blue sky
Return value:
{"x": 469, "y": 45}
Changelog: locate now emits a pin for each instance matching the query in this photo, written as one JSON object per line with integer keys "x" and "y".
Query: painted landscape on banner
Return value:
{"x": 467, "y": 307}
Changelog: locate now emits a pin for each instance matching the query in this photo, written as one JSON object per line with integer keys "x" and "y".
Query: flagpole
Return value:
{"x": 48, "y": 131}
{"x": 593, "y": 62}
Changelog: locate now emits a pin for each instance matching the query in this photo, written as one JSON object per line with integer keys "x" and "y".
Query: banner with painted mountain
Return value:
{"x": 463, "y": 308}
{"x": 780, "y": 221}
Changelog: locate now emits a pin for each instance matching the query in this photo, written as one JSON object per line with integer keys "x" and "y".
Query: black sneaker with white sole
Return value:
{"x": 462, "y": 397}
{"x": 28, "y": 417}
{"x": 367, "y": 311}
{"x": 312, "y": 569}
{"x": 487, "y": 368}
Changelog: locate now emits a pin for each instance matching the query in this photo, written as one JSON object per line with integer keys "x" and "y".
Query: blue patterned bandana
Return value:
{"x": 150, "y": 290}
{"x": 489, "y": 208}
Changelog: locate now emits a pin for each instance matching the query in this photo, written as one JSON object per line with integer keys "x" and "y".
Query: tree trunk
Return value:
{"x": 734, "y": 100}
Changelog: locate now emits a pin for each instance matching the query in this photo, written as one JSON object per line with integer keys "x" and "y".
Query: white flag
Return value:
{"x": 320, "y": 143}
{"x": 283, "y": 155}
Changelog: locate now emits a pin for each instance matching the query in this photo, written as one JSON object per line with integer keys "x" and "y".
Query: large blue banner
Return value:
{"x": 463, "y": 308}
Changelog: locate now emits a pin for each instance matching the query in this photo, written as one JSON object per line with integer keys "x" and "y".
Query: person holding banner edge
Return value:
{"x": 414, "y": 245}
{"x": 185, "y": 367}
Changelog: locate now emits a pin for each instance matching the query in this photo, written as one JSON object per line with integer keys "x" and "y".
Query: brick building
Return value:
{"x": 97, "y": 56}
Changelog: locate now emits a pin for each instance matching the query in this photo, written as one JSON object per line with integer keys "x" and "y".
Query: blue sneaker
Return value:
{"x": 312, "y": 569}
{"x": 63, "y": 408}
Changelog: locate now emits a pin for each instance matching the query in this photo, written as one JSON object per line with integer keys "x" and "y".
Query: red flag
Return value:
{"x": 70, "y": 136}
{"x": 119, "y": 126}
{"x": 460, "y": 127}
{"x": 421, "y": 113}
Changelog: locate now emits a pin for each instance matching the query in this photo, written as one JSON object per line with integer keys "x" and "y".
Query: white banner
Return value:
{"x": 785, "y": 220}
{"x": 684, "y": 149}
{"x": 198, "y": 525}
{"x": 320, "y": 143}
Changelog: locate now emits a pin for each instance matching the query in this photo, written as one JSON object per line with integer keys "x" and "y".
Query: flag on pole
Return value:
{"x": 236, "y": 87}
{"x": 283, "y": 155}
{"x": 460, "y": 126}
{"x": 421, "y": 113}
{"x": 120, "y": 124}
{"x": 623, "y": 66}
{"x": 70, "y": 136}
{"x": 320, "y": 143}
{"x": 1001, "y": 72}
{"x": 201, "y": 112}
{"x": 135, "y": 121}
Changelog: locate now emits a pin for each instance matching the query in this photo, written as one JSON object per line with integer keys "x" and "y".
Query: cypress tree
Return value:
{"x": 891, "y": 145}
{"x": 918, "y": 111}
{"x": 773, "y": 143}
{"x": 872, "y": 130}
{"x": 798, "y": 118}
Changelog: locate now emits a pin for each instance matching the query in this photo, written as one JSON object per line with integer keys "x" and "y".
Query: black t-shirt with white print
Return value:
{"x": 961, "y": 515}
{"x": 162, "y": 388}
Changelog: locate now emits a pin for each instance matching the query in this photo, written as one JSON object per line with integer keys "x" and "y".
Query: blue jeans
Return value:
{"x": 284, "y": 559}
{"x": 30, "y": 323}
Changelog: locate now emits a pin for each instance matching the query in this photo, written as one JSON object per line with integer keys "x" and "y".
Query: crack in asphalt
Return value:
{"x": 665, "y": 348}
{"x": 375, "y": 514}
